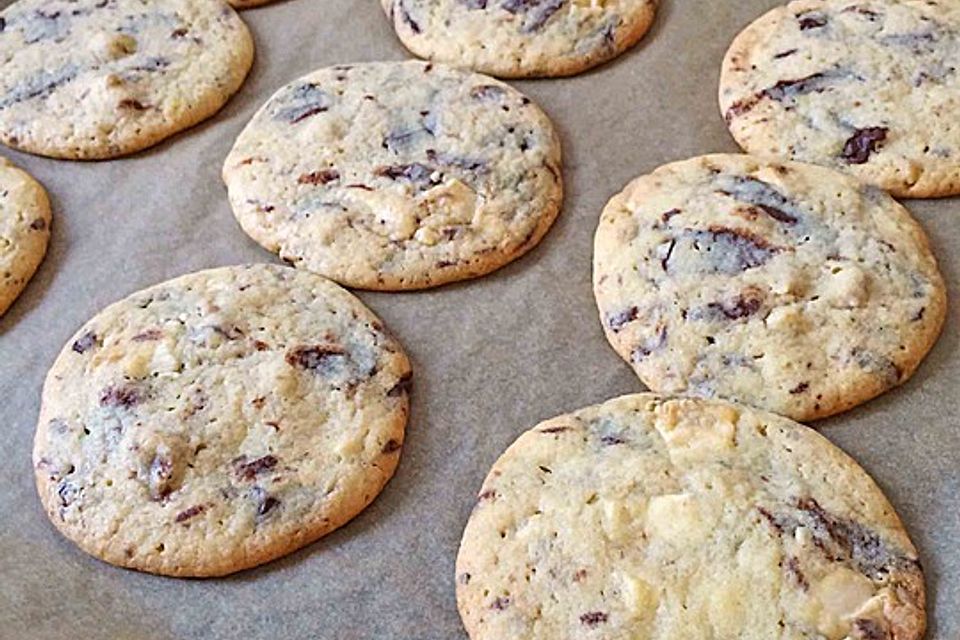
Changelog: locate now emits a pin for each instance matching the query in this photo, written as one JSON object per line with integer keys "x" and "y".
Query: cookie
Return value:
{"x": 396, "y": 175}
{"x": 219, "y": 420}
{"x": 94, "y": 79}
{"x": 648, "y": 517}
{"x": 789, "y": 287}
{"x": 868, "y": 87}
{"x": 24, "y": 230}
{"x": 520, "y": 38}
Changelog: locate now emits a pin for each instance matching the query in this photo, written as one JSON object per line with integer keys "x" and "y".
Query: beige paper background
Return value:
{"x": 492, "y": 357}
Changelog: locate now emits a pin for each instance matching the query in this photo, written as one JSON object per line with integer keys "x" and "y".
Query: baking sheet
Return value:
{"x": 492, "y": 356}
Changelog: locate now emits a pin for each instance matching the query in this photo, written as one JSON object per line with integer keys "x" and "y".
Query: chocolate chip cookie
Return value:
{"x": 24, "y": 230}
{"x": 869, "y": 87}
{"x": 396, "y": 175}
{"x": 520, "y": 38}
{"x": 92, "y": 79}
{"x": 789, "y": 287}
{"x": 651, "y": 518}
{"x": 220, "y": 420}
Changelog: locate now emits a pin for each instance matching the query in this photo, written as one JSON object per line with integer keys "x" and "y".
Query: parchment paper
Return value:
{"x": 492, "y": 357}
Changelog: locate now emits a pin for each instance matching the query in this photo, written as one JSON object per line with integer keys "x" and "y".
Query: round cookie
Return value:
{"x": 220, "y": 420}
{"x": 648, "y": 517}
{"x": 520, "y": 38}
{"x": 396, "y": 175}
{"x": 24, "y": 230}
{"x": 869, "y": 87}
{"x": 788, "y": 287}
{"x": 94, "y": 79}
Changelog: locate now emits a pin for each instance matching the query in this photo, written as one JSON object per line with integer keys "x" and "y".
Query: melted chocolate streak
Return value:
{"x": 763, "y": 196}
{"x": 842, "y": 540}
{"x": 787, "y": 90}
{"x": 39, "y": 86}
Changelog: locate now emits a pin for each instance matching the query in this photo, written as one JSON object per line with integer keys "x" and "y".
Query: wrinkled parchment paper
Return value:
{"x": 492, "y": 357}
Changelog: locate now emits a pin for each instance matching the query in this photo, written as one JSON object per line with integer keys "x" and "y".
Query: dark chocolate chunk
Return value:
{"x": 318, "y": 358}
{"x": 811, "y": 20}
{"x": 541, "y": 15}
{"x": 39, "y": 86}
{"x": 665, "y": 261}
{"x": 460, "y": 162}
{"x": 666, "y": 215}
{"x": 862, "y": 143}
{"x": 264, "y": 502}
{"x": 68, "y": 492}
{"x": 608, "y": 34}
{"x": 304, "y": 100}
{"x": 130, "y": 103}
{"x": 407, "y": 18}
{"x": 800, "y": 388}
{"x": 416, "y": 173}
{"x": 537, "y": 12}
{"x": 844, "y": 540}
{"x": 650, "y": 345}
{"x": 249, "y": 470}
{"x": 742, "y": 306}
{"x": 593, "y": 618}
{"x": 877, "y": 364}
{"x": 762, "y": 195}
{"x": 730, "y": 251}
{"x": 500, "y": 603}
{"x": 319, "y": 177}
{"x": 85, "y": 342}
{"x": 38, "y": 225}
{"x": 868, "y": 13}
{"x": 786, "y": 90}
{"x": 186, "y": 514}
{"x": 616, "y": 321}
{"x": 487, "y": 92}
{"x": 554, "y": 429}
{"x": 123, "y": 396}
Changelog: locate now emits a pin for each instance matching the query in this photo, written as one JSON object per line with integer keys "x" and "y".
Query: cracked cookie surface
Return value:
{"x": 520, "y": 38}
{"x": 94, "y": 79}
{"x": 25, "y": 220}
{"x": 789, "y": 287}
{"x": 220, "y": 420}
{"x": 649, "y": 517}
{"x": 866, "y": 86}
{"x": 396, "y": 175}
